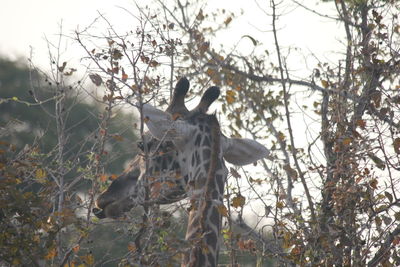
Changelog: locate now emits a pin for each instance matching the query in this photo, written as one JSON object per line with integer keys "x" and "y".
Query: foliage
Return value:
{"x": 23, "y": 213}
{"x": 40, "y": 225}
{"x": 130, "y": 65}
{"x": 329, "y": 197}
{"x": 333, "y": 199}
{"x": 28, "y": 108}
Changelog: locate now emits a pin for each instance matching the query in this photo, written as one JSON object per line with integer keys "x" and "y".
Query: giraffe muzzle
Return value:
{"x": 99, "y": 213}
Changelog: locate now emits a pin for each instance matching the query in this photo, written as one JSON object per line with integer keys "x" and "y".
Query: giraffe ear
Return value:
{"x": 242, "y": 151}
{"x": 163, "y": 127}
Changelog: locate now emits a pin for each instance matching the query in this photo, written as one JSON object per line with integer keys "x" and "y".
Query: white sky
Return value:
{"x": 24, "y": 23}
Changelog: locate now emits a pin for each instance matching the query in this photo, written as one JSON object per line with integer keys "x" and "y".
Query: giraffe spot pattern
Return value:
{"x": 197, "y": 142}
{"x": 195, "y": 173}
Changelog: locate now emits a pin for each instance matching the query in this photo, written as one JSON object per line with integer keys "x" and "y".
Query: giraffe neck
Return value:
{"x": 207, "y": 182}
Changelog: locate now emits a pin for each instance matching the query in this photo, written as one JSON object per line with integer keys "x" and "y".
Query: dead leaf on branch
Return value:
{"x": 378, "y": 221}
{"x": 361, "y": 123}
{"x": 200, "y": 15}
{"x": 325, "y": 84}
{"x": 223, "y": 210}
{"x": 118, "y": 138}
{"x": 76, "y": 248}
{"x": 154, "y": 63}
{"x": 96, "y": 79}
{"x": 116, "y": 54}
{"x": 396, "y": 145}
{"x": 374, "y": 183}
{"x": 376, "y": 97}
{"x": 51, "y": 253}
{"x": 110, "y": 42}
{"x": 124, "y": 75}
{"x": 295, "y": 251}
{"x": 132, "y": 247}
{"x": 155, "y": 189}
{"x": 246, "y": 244}
{"x": 88, "y": 259}
{"x": 280, "y": 204}
{"x": 204, "y": 47}
{"x": 235, "y": 173}
{"x": 238, "y": 201}
{"x": 347, "y": 141}
{"x": 291, "y": 172}
{"x": 396, "y": 241}
{"x": 62, "y": 67}
{"x": 230, "y": 96}
{"x": 210, "y": 72}
{"x": 103, "y": 177}
{"x": 227, "y": 21}
{"x": 70, "y": 72}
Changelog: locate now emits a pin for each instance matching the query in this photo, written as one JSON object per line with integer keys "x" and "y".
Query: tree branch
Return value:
{"x": 385, "y": 248}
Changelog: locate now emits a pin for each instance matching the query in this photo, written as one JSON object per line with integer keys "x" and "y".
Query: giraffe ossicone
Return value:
{"x": 186, "y": 155}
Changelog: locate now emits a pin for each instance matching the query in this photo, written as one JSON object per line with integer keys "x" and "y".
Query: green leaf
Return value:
{"x": 378, "y": 162}
{"x": 389, "y": 196}
{"x": 40, "y": 176}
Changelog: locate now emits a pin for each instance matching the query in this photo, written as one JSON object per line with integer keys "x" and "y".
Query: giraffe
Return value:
{"x": 198, "y": 151}
{"x": 167, "y": 184}
{"x": 128, "y": 189}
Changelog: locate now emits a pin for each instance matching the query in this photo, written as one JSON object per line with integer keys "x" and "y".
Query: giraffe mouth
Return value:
{"x": 99, "y": 213}
{"x": 112, "y": 208}
{"x": 100, "y": 207}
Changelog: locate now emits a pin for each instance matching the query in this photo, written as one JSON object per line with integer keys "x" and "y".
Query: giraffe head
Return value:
{"x": 127, "y": 191}
{"x": 238, "y": 151}
{"x": 171, "y": 163}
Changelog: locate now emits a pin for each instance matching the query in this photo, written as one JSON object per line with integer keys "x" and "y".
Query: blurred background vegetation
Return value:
{"x": 33, "y": 123}
{"x": 32, "y": 229}
{"x": 28, "y": 139}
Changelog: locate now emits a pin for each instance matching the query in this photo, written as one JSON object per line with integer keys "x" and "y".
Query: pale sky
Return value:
{"x": 25, "y": 23}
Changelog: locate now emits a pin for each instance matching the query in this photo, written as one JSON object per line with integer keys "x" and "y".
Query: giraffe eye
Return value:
{"x": 140, "y": 145}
